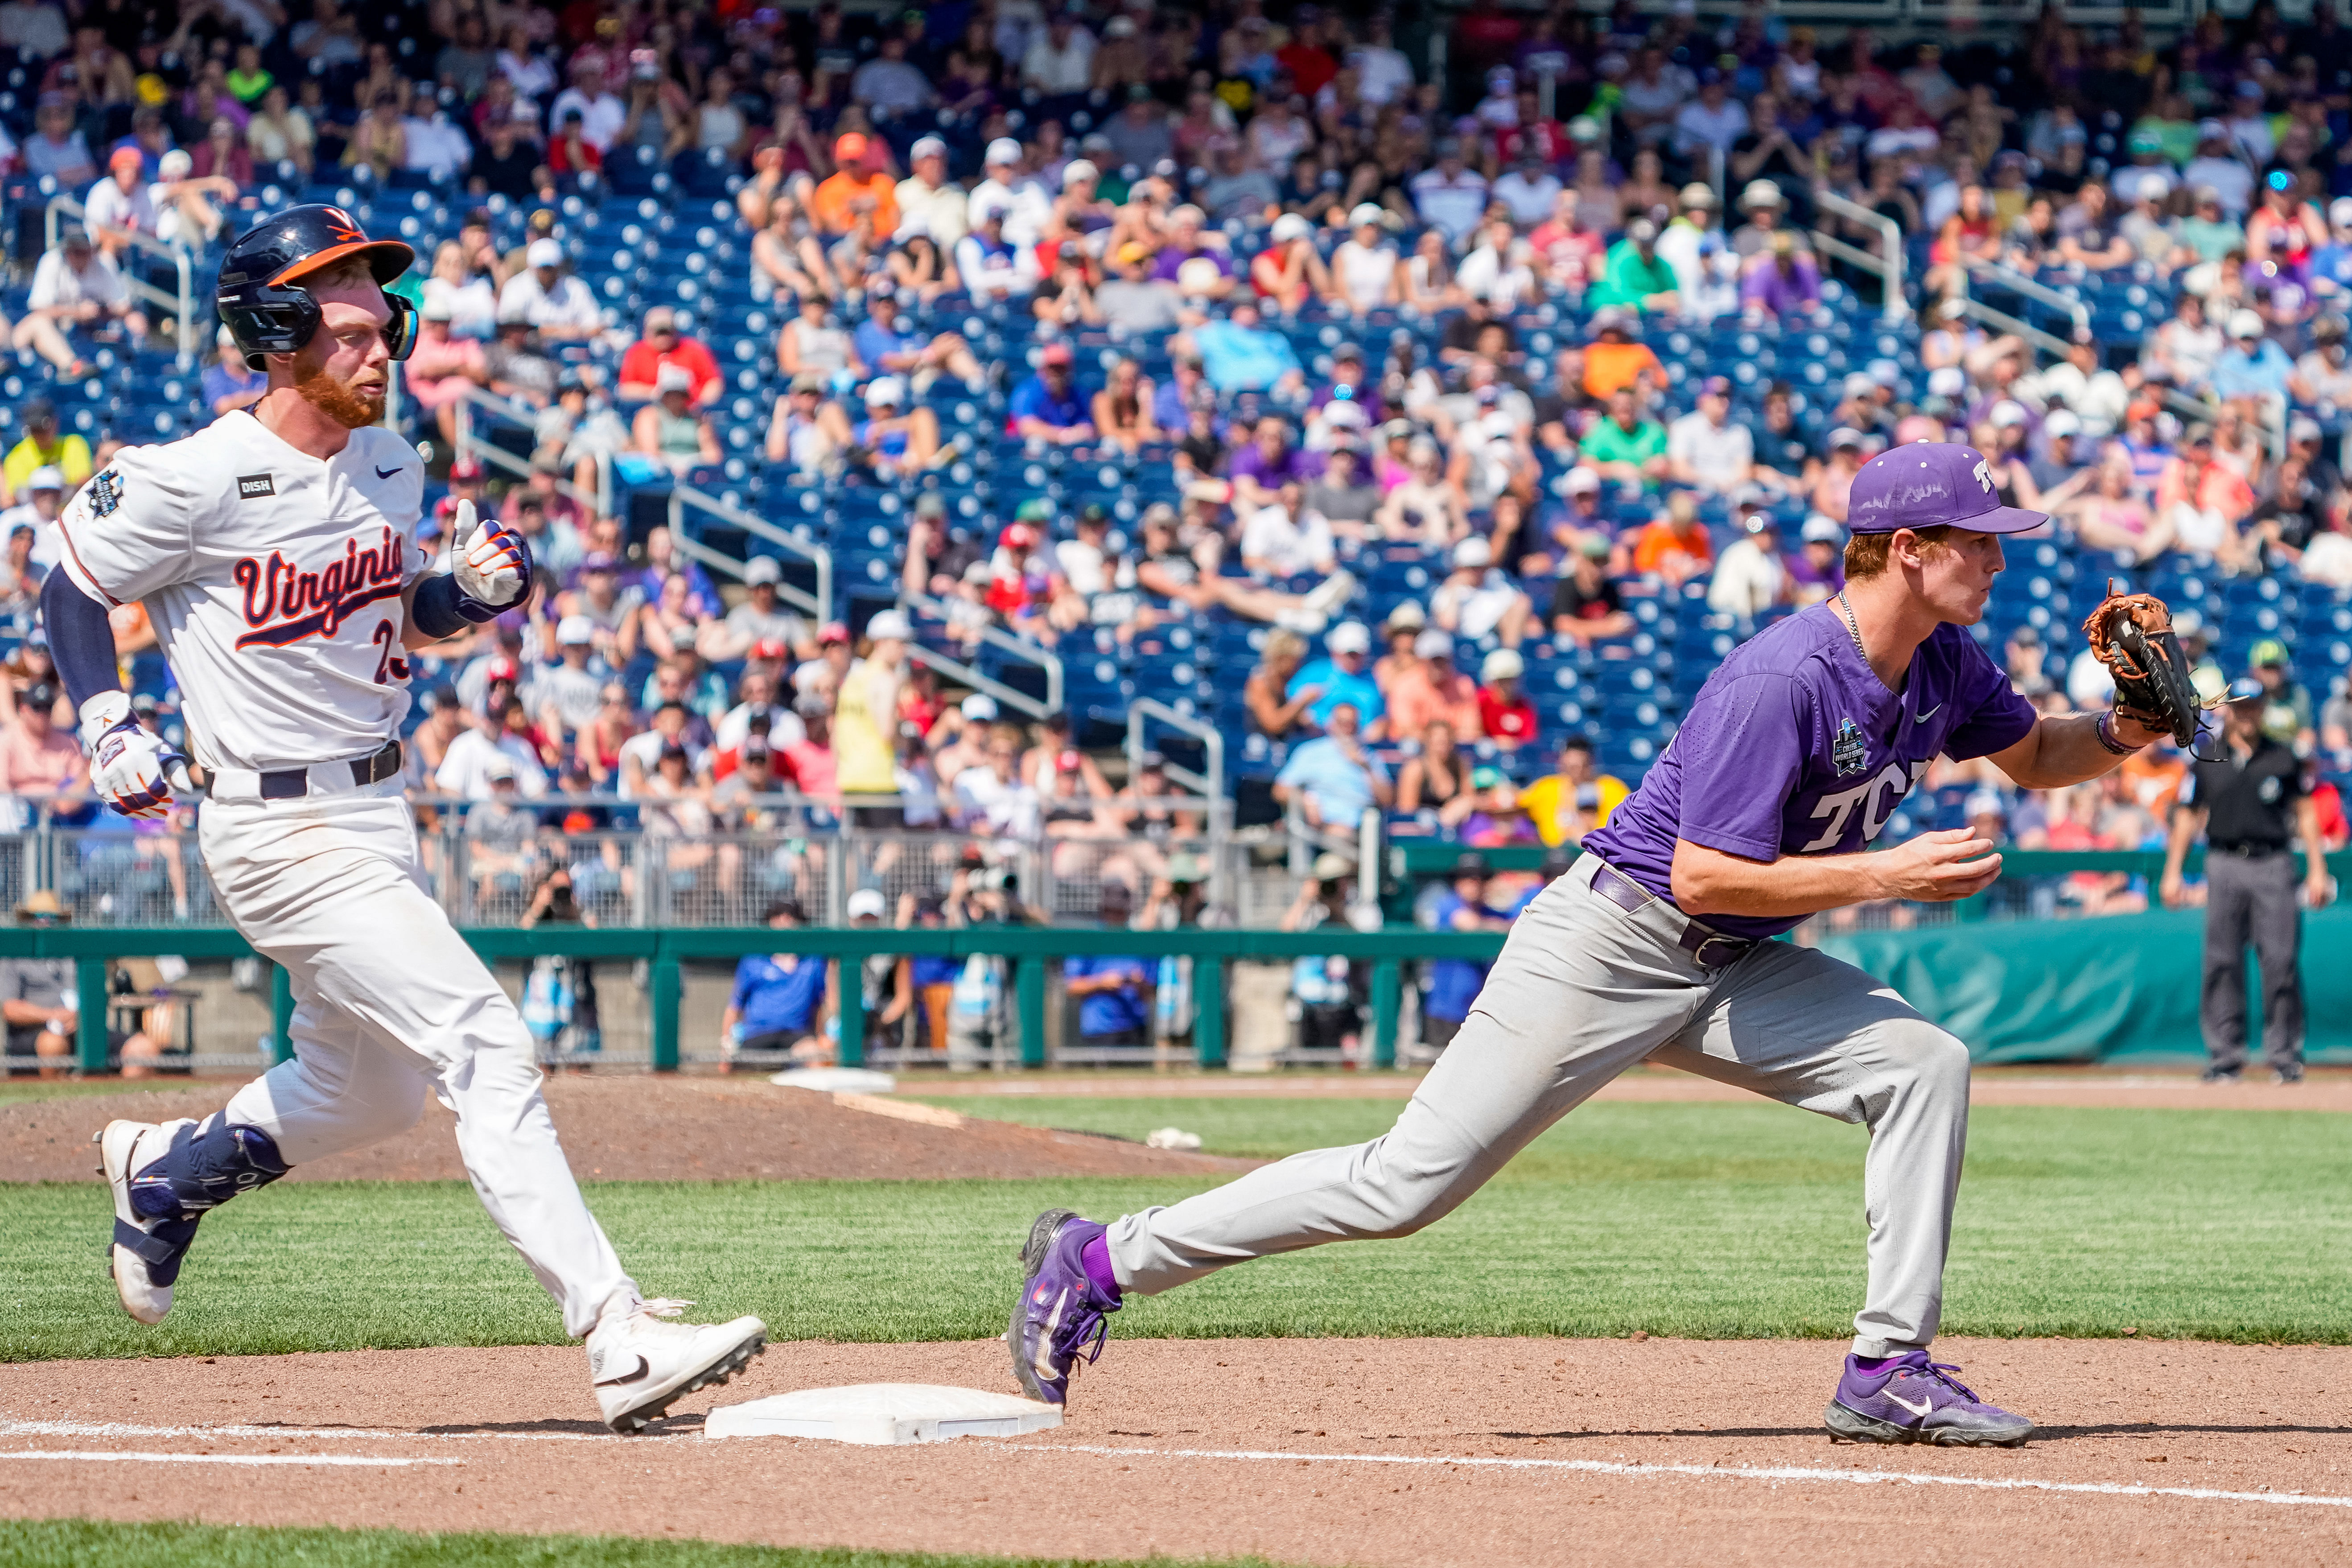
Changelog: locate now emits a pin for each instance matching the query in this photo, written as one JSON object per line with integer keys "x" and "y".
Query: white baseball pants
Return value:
{"x": 1582, "y": 991}
{"x": 390, "y": 1001}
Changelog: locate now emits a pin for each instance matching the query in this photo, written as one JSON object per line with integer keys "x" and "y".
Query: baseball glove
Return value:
{"x": 2131, "y": 633}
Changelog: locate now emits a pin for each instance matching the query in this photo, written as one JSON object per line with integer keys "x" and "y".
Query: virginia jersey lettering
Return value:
{"x": 277, "y": 603}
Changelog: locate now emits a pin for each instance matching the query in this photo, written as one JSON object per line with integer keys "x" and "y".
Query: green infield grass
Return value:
{"x": 1705, "y": 1220}
{"x": 88, "y": 1544}
{"x": 15, "y": 1090}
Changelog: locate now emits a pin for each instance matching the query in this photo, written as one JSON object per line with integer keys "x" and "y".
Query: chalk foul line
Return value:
{"x": 368, "y": 1461}
{"x": 1768, "y": 1473}
{"x": 124, "y": 1429}
{"x": 1712, "y": 1472}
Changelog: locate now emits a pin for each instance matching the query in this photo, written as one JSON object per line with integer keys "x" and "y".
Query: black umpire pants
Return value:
{"x": 2251, "y": 900}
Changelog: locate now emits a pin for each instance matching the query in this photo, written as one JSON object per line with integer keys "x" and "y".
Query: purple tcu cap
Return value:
{"x": 1930, "y": 484}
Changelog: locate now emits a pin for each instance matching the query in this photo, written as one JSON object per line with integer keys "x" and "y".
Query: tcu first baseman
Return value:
{"x": 1765, "y": 808}
{"x": 274, "y": 555}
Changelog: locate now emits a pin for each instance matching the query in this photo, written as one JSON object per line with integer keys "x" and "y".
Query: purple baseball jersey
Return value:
{"x": 1795, "y": 747}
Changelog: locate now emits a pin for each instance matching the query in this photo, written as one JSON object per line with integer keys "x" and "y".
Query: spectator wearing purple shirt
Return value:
{"x": 1818, "y": 566}
{"x": 1363, "y": 391}
{"x": 1763, "y": 809}
{"x": 1783, "y": 285}
{"x": 1184, "y": 243}
{"x": 1269, "y": 462}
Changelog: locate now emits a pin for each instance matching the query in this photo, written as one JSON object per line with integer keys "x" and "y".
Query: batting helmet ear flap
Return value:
{"x": 270, "y": 318}
{"x": 400, "y": 331}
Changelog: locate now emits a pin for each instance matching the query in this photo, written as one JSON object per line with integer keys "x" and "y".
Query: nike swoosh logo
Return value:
{"x": 1044, "y": 1360}
{"x": 386, "y": 473}
{"x": 1930, "y": 713}
{"x": 1920, "y": 1409}
{"x": 643, "y": 1367}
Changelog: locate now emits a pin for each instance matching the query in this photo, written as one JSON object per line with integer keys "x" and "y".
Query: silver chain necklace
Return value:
{"x": 1852, "y": 630}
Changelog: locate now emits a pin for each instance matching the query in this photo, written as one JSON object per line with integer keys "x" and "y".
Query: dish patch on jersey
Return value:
{"x": 286, "y": 602}
{"x": 105, "y": 492}
{"x": 1848, "y": 751}
{"x": 249, "y": 485}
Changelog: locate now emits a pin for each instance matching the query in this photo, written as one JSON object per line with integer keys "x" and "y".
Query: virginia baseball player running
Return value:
{"x": 1762, "y": 810}
{"x": 274, "y": 553}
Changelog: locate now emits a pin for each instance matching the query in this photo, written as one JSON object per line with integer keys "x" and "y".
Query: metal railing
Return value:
{"x": 470, "y": 445}
{"x": 2274, "y": 417}
{"x": 1025, "y": 951}
{"x": 2016, "y": 282}
{"x": 683, "y": 495}
{"x": 1894, "y": 306}
{"x": 484, "y": 863}
{"x": 1004, "y": 641}
{"x": 1211, "y": 781}
{"x": 183, "y": 305}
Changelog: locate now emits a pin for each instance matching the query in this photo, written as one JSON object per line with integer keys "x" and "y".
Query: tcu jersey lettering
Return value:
{"x": 273, "y": 580}
{"x": 1795, "y": 747}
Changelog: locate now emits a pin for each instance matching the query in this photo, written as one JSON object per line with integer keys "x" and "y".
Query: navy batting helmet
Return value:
{"x": 263, "y": 309}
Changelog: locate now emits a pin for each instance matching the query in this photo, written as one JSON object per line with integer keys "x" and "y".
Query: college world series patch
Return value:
{"x": 1848, "y": 753}
{"x": 105, "y": 492}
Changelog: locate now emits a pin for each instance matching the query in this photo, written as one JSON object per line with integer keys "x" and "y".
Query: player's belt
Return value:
{"x": 1712, "y": 949}
{"x": 293, "y": 784}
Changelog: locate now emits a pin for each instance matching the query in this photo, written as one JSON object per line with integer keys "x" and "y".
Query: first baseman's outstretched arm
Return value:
{"x": 2065, "y": 749}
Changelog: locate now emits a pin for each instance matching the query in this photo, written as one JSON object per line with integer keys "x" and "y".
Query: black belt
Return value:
{"x": 1711, "y": 949}
{"x": 2246, "y": 851}
{"x": 293, "y": 784}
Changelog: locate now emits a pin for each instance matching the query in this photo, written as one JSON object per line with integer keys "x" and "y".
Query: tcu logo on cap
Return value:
{"x": 1983, "y": 472}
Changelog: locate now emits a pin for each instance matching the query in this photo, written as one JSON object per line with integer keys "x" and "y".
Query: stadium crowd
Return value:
{"x": 1125, "y": 236}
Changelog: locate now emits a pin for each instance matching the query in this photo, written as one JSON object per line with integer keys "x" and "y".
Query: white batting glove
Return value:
{"x": 130, "y": 768}
{"x": 493, "y": 565}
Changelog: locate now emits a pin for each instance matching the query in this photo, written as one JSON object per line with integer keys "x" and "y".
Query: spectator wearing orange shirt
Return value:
{"x": 1431, "y": 688}
{"x": 1614, "y": 359}
{"x": 2204, "y": 499}
{"x": 2152, "y": 775}
{"x": 837, "y": 201}
{"x": 1676, "y": 546}
{"x": 664, "y": 344}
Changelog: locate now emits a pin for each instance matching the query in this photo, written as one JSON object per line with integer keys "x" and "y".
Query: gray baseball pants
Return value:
{"x": 1584, "y": 990}
{"x": 2251, "y": 900}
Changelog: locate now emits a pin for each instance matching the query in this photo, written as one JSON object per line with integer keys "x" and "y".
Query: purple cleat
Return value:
{"x": 1910, "y": 1399}
{"x": 1061, "y": 1310}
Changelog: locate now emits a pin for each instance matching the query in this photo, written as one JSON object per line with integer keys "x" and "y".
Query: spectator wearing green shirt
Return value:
{"x": 1635, "y": 274}
{"x": 2209, "y": 230}
{"x": 1627, "y": 445}
{"x": 2169, "y": 121}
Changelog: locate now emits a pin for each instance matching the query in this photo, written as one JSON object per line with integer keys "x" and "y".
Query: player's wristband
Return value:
{"x": 441, "y": 609}
{"x": 2104, "y": 729}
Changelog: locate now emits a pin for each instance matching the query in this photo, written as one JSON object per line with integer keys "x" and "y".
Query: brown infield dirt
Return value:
{"x": 1437, "y": 1452}
{"x": 645, "y": 1129}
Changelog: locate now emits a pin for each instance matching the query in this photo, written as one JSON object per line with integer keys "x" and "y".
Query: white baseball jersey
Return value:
{"x": 273, "y": 580}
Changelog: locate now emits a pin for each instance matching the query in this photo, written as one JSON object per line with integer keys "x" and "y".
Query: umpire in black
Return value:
{"x": 2250, "y": 803}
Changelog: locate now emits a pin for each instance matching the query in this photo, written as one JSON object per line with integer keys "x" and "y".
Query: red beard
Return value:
{"x": 352, "y": 408}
